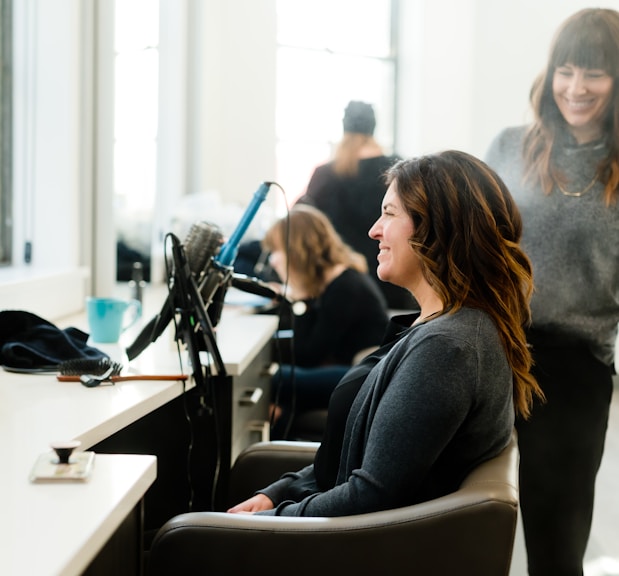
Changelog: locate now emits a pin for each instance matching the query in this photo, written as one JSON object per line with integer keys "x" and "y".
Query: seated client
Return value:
{"x": 440, "y": 395}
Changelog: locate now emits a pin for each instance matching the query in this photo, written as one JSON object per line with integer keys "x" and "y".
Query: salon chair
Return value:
{"x": 466, "y": 533}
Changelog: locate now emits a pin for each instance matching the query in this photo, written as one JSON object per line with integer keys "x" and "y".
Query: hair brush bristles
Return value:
{"x": 96, "y": 367}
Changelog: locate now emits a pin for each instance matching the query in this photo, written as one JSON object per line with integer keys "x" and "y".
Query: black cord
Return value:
{"x": 278, "y": 347}
{"x": 207, "y": 407}
{"x": 190, "y": 446}
{"x": 217, "y": 433}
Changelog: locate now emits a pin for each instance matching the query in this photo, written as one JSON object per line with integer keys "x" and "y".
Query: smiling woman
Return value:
{"x": 563, "y": 171}
{"x": 400, "y": 428}
{"x": 582, "y": 96}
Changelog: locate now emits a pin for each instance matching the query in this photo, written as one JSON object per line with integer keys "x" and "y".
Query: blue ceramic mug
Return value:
{"x": 108, "y": 318}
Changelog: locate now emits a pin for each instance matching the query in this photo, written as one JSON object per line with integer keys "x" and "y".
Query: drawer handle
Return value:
{"x": 250, "y": 396}
{"x": 261, "y": 429}
{"x": 270, "y": 370}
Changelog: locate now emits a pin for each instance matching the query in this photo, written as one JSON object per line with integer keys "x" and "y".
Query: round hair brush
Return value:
{"x": 95, "y": 367}
{"x": 91, "y": 373}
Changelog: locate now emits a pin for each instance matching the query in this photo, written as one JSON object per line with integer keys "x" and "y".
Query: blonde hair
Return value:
{"x": 312, "y": 246}
{"x": 347, "y": 154}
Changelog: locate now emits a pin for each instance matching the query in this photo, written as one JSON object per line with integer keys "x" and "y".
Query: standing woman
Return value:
{"x": 563, "y": 171}
{"x": 350, "y": 188}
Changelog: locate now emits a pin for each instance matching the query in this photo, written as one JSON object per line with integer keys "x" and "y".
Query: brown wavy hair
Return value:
{"x": 587, "y": 39}
{"x": 312, "y": 246}
{"x": 467, "y": 231}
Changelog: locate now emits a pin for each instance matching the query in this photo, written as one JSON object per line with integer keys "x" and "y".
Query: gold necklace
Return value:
{"x": 577, "y": 194}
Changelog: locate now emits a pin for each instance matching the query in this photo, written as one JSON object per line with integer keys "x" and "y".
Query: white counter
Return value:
{"x": 58, "y": 528}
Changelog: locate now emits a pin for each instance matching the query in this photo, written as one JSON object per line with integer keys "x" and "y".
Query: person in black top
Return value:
{"x": 337, "y": 310}
{"x": 350, "y": 189}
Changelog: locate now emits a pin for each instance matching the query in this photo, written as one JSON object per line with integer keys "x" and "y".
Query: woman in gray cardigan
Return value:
{"x": 563, "y": 171}
{"x": 439, "y": 397}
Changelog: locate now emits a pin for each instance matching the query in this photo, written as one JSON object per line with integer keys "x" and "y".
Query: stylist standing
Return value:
{"x": 563, "y": 171}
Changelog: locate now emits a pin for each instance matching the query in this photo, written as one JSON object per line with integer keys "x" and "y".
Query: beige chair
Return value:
{"x": 469, "y": 532}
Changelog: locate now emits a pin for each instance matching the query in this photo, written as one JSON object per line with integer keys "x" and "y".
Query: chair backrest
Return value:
{"x": 467, "y": 533}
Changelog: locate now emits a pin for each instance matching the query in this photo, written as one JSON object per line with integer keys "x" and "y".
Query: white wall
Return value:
{"x": 47, "y": 114}
{"x": 47, "y": 106}
{"x": 436, "y": 62}
{"x": 235, "y": 107}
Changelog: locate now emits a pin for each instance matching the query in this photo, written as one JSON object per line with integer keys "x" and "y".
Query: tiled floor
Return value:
{"x": 602, "y": 558}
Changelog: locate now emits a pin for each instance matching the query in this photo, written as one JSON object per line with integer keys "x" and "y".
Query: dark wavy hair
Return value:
{"x": 587, "y": 39}
{"x": 467, "y": 230}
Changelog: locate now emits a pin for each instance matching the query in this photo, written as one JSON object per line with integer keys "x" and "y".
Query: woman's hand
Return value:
{"x": 256, "y": 503}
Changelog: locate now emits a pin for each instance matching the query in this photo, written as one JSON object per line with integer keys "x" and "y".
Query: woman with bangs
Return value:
{"x": 440, "y": 395}
{"x": 563, "y": 171}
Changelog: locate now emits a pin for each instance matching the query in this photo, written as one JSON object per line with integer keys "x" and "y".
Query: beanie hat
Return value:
{"x": 359, "y": 117}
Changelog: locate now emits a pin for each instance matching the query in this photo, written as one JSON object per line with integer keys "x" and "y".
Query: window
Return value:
{"x": 330, "y": 52}
{"x": 136, "y": 39}
{"x": 6, "y": 26}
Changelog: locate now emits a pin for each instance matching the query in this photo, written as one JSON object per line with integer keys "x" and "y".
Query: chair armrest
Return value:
{"x": 466, "y": 536}
{"x": 469, "y": 532}
{"x": 263, "y": 463}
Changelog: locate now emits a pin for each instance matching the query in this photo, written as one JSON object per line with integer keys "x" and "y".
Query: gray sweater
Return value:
{"x": 434, "y": 405}
{"x": 573, "y": 243}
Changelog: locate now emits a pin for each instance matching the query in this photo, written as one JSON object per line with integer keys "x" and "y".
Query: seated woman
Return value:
{"x": 439, "y": 397}
{"x": 337, "y": 310}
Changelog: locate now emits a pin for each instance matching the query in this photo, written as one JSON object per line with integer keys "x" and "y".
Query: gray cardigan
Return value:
{"x": 573, "y": 243}
{"x": 434, "y": 405}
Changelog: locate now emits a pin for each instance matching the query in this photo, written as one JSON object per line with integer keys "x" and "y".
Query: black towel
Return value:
{"x": 28, "y": 342}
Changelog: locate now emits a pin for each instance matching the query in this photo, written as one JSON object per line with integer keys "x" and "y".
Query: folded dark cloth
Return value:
{"x": 29, "y": 342}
